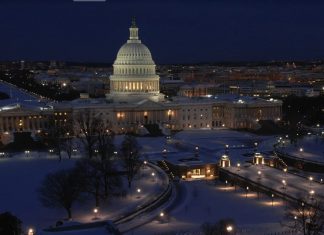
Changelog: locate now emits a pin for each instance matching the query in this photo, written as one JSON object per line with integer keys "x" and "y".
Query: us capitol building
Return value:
{"x": 135, "y": 101}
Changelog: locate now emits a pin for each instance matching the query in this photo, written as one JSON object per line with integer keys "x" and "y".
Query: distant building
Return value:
{"x": 135, "y": 100}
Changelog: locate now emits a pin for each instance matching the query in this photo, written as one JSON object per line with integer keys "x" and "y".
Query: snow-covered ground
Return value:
{"x": 206, "y": 202}
{"x": 198, "y": 201}
{"x": 311, "y": 148}
{"x": 20, "y": 176}
{"x": 295, "y": 186}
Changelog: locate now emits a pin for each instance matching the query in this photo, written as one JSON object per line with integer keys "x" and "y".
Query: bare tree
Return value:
{"x": 105, "y": 140}
{"x": 54, "y": 137}
{"x": 88, "y": 126}
{"x": 61, "y": 190}
{"x": 10, "y": 224}
{"x": 92, "y": 176}
{"x": 68, "y": 144}
{"x": 111, "y": 178}
{"x": 130, "y": 157}
{"x": 67, "y": 138}
{"x": 306, "y": 217}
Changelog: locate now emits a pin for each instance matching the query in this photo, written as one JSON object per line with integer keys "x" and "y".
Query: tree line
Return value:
{"x": 98, "y": 174}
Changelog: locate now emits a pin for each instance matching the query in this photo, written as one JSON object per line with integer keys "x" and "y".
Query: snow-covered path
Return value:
{"x": 207, "y": 202}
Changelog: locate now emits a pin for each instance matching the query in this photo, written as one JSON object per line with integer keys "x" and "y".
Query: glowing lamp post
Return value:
{"x": 246, "y": 192}
{"x": 162, "y": 217}
{"x": 31, "y": 231}
{"x": 138, "y": 192}
{"x": 259, "y": 174}
{"x": 301, "y": 150}
{"x": 229, "y": 228}
{"x": 255, "y": 146}
{"x": 95, "y": 212}
{"x": 153, "y": 176}
{"x": 284, "y": 183}
{"x": 164, "y": 152}
{"x": 272, "y": 196}
{"x": 310, "y": 180}
{"x": 27, "y": 153}
{"x": 311, "y": 193}
{"x": 226, "y": 148}
{"x": 238, "y": 166}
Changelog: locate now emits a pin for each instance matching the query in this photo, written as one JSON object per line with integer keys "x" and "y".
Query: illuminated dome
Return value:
{"x": 134, "y": 69}
{"x": 134, "y": 53}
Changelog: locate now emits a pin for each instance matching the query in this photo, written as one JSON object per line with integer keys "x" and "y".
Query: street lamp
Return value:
{"x": 153, "y": 176}
{"x": 238, "y": 166}
{"x": 255, "y": 146}
{"x": 138, "y": 192}
{"x": 246, "y": 193}
{"x": 310, "y": 180}
{"x": 226, "y": 148}
{"x": 229, "y": 228}
{"x": 301, "y": 150}
{"x": 285, "y": 172}
{"x": 164, "y": 153}
{"x": 272, "y": 196}
{"x": 312, "y": 192}
{"x": 95, "y": 212}
{"x": 162, "y": 217}
{"x": 27, "y": 153}
{"x": 284, "y": 184}
{"x": 31, "y": 231}
{"x": 259, "y": 174}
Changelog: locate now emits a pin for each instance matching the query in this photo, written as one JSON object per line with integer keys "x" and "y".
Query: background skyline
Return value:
{"x": 178, "y": 31}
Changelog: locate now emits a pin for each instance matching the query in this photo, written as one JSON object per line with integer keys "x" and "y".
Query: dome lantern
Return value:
{"x": 133, "y": 32}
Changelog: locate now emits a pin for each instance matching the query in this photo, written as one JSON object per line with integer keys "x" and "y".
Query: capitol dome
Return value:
{"x": 134, "y": 53}
{"x": 134, "y": 70}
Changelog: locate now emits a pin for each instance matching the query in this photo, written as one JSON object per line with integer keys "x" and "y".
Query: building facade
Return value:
{"x": 135, "y": 100}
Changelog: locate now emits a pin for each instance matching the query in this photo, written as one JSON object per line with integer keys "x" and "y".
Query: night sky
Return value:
{"x": 176, "y": 31}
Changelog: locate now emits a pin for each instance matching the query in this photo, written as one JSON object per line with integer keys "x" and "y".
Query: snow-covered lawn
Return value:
{"x": 20, "y": 176}
{"x": 200, "y": 202}
{"x": 207, "y": 202}
{"x": 310, "y": 148}
{"x": 295, "y": 186}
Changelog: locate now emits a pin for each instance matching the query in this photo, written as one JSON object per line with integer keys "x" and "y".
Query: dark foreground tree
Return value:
{"x": 10, "y": 224}
{"x": 130, "y": 157}
{"x": 105, "y": 140}
{"x": 61, "y": 190}
{"x": 93, "y": 177}
{"x": 88, "y": 125}
{"x": 222, "y": 227}
{"x": 306, "y": 218}
{"x": 100, "y": 178}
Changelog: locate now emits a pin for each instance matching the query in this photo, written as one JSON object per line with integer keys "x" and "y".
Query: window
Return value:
{"x": 195, "y": 171}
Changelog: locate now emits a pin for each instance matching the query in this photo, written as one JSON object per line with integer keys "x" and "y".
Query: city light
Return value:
{"x": 229, "y": 228}
{"x": 238, "y": 166}
{"x": 259, "y": 174}
{"x": 95, "y": 212}
{"x": 31, "y": 231}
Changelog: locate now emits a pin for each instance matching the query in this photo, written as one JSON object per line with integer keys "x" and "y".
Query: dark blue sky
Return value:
{"x": 176, "y": 31}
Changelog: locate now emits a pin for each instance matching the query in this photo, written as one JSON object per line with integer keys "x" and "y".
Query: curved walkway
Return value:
{"x": 128, "y": 221}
